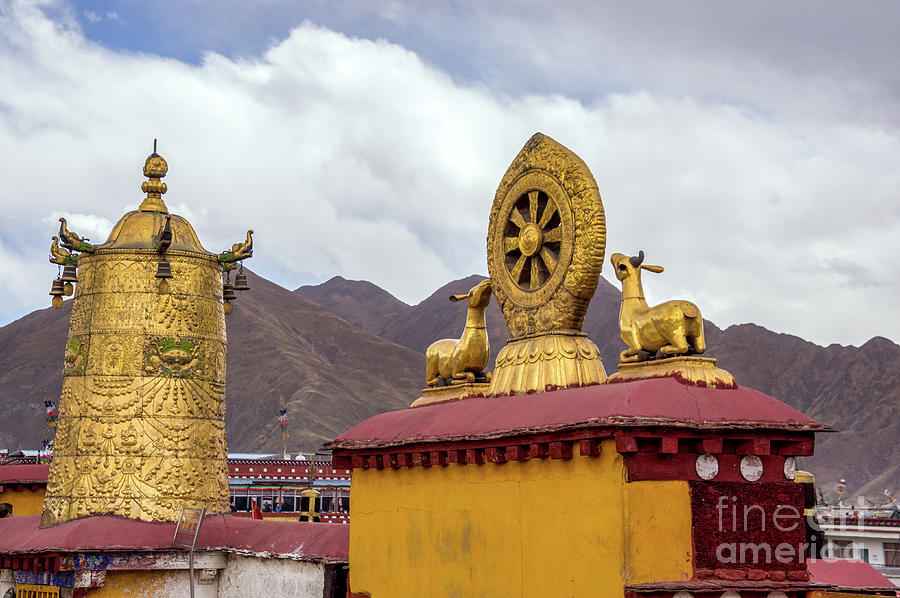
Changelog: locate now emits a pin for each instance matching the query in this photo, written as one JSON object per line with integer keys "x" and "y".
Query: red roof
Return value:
{"x": 290, "y": 539}
{"x": 654, "y": 402}
{"x": 847, "y": 573}
{"x": 23, "y": 474}
{"x": 829, "y": 575}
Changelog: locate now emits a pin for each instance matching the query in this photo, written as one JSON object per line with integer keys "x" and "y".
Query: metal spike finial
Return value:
{"x": 155, "y": 168}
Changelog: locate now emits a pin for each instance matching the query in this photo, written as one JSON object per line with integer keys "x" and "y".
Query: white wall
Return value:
{"x": 7, "y": 581}
{"x": 252, "y": 577}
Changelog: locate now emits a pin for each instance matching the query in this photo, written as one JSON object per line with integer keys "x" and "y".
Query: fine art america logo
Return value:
{"x": 750, "y": 526}
{"x": 737, "y": 521}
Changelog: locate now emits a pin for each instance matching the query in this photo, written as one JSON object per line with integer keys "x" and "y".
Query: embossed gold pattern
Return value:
{"x": 545, "y": 246}
{"x": 546, "y": 239}
{"x": 547, "y": 361}
{"x": 142, "y": 411}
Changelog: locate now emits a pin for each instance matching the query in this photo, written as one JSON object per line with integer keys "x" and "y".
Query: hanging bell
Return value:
{"x": 57, "y": 290}
{"x": 69, "y": 276}
{"x": 228, "y": 292}
{"x": 69, "y": 273}
{"x": 240, "y": 282}
{"x": 163, "y": 269}
{"x": 228, "y": 308}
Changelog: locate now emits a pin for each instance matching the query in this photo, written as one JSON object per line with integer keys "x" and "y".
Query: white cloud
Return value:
{"x": 355, "y": 157}
{"x": 93, "y": 228}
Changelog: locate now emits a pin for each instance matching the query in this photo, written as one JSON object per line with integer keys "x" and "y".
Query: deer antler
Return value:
{"x": 638, "y": 259}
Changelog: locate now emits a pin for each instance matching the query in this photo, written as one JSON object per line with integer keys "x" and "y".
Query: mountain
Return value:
{"x": 855, "y": 390}
{"x": 360, "y": 302}
{"x": 364, "y": 355}
{"x": 31, "y": 351}
{"x": 331, "y": 373}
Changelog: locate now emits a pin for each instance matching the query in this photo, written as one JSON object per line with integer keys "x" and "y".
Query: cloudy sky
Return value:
{"x": 753, "y": 149}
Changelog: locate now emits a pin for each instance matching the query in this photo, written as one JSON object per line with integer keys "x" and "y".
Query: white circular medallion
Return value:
{"x": 790, "y": 468}
{"x": 776, "y": 595}
{"x": 751, "y": 468}
{"x": 683, "y": 595}
{"x": 730, "y": 594}
{"x": 707, "y": 467}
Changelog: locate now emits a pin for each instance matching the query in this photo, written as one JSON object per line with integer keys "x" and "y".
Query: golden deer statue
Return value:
{"x": 671, "y": 328}
{"x": 452, "y": 361}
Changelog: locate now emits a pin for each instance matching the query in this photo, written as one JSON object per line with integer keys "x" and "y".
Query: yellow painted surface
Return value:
{"x": 538, "y": 528}
{"x": 135, "y": 584}
{"x": 26, "y": 590}
{"x": 25, "y": 501}
{"x": 658, "y": 540}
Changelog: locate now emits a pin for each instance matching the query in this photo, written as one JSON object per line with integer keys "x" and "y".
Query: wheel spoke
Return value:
{"x": 510, "y": 244}
{"x": 549, "y": 211}
{"x": 553, "y": 235}
{"x": 548, "y": 258}
{"x": 535, "y": 281}
{"x": 517, "y": 268}
{"x": 516, "y": 217}
{"x": 533, "y": 205}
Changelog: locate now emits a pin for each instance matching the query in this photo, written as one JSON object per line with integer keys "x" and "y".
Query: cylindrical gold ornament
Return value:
{"x": 141, "y": 430}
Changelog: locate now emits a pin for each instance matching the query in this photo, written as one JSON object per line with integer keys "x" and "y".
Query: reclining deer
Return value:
{"x": 672, "y": 328}
{"x": 451, "y": 361}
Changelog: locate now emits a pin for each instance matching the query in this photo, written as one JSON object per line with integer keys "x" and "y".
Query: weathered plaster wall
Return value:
{"x": 7, "y": 581}
{"x": 250, "y": 577}
{"x": 542, "y": 527}
{"x": 151, "y": 584}
{"x": 24, "y": 501}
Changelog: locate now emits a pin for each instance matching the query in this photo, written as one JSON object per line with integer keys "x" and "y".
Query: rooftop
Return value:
{"x": 284, "y": 539}
{"x": 655, "y": 402}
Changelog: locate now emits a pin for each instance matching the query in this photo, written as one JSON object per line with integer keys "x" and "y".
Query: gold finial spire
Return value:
{"x": 155, "y": 168}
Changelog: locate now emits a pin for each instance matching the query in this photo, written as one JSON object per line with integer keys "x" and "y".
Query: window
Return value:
{"x": 839, "y": 549}
{"x": 892, "y": 554}
{"x": 289, "y": 504}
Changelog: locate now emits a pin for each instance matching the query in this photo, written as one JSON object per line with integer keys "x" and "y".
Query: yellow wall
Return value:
{"x": 136, "y": 584}
{"x": 658, "y": 539}
{"x": 25, "y": 501}
{"x": 539, "y": 528}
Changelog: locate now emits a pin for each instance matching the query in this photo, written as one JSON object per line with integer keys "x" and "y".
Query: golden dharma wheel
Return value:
{"x": 546, "y": 239}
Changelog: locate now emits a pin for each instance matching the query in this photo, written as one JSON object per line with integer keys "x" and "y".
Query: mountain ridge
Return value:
{"x": 831, "y": 384}
{"x": 334, "y": 371}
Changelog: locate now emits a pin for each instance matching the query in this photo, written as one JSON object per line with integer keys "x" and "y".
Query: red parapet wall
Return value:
{"x": 753, "y": 531}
